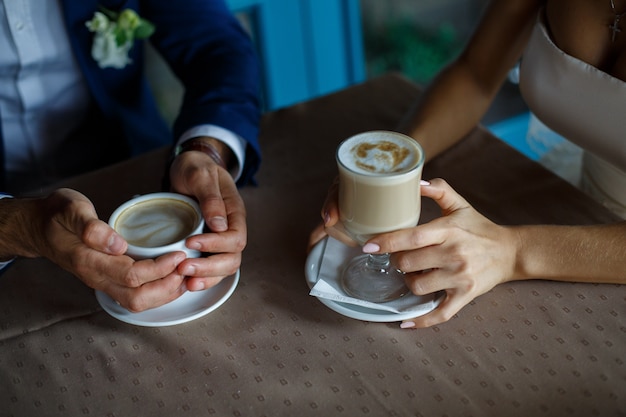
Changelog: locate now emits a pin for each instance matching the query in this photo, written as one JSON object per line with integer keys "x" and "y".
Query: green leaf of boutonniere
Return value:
{"x": 120, "y": 37}
{"x": 144, "y": 30}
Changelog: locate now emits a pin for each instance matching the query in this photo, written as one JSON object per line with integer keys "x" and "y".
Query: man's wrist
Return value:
{"x": 234, "y": 146}
{"x": 218, "y": 152}
{"x": 6, "y": 220}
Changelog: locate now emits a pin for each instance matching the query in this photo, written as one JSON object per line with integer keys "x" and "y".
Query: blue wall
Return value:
{"x": 307, "y": 47}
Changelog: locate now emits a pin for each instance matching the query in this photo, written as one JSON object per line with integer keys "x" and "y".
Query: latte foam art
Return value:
{"x": 380, "y": 157}
{"x": 379, "y": 153}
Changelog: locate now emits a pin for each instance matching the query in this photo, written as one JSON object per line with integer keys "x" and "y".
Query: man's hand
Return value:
{"x": 197, "y": 174}
{"x": 65, "y": 228}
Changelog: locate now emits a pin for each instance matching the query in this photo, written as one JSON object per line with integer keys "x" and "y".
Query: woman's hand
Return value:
{"x": 331, "y": 225}
{"x": 462, "y": 253}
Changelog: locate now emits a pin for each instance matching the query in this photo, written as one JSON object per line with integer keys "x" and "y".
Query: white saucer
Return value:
{"x": 189, "y": 306}
{"x": 312, "y": 268}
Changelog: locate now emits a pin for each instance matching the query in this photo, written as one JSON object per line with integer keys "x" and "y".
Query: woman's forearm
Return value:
{"x": 572, "y": 253}
{"x": 456, "y": 100}
{"x": 447, "y": 111}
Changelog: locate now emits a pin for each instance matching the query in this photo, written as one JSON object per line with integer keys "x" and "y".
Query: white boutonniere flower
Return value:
{"x": 115, "y": 34}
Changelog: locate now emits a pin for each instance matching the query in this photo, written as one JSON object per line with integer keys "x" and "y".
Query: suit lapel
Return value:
{"x": 122, "y": 94}
{"x": 76, "y": 14}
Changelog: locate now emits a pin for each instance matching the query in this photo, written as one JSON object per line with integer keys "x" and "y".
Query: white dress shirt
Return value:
{"x": 43, "y": 95}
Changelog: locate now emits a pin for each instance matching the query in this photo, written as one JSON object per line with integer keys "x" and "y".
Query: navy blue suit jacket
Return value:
{"x": 205, "y": 47}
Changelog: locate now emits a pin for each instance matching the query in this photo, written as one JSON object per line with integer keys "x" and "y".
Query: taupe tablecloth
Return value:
{"x": 523, "y": 349}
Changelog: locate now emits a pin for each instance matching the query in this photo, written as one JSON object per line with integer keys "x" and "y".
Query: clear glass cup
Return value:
{"x": 379, "y": 191}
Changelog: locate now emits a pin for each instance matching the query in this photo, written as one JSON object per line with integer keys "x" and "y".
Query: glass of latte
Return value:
{"x": 379, "y": 191}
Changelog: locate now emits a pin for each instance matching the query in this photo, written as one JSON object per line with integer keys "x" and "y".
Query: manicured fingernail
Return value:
{"x": 371, "y": 248}
{"x": 407, "y": 325}
{"x": 218, "y": 224}
{"x": 326, "y": 217}
{"x": 424, "y": 182}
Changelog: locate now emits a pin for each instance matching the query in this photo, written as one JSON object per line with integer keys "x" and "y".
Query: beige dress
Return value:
{"x": 585, "y": 105}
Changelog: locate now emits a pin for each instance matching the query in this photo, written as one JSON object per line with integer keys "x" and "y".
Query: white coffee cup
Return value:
{"x": 158, "y": 223}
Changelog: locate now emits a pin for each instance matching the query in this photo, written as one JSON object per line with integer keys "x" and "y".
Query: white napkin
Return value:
{"x": 334, "y": 257}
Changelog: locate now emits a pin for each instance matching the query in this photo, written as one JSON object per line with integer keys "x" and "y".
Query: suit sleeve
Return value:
{"x": 214, "y": 58}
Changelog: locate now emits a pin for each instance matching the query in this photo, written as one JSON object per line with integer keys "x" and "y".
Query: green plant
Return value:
{"x": 403, "y": 46}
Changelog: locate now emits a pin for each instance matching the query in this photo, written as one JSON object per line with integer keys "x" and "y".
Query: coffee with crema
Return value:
{"x": 379, "y": 183}
{"x": 157, "y": 222}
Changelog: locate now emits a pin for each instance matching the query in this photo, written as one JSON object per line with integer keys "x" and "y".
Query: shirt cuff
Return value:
{"x": 5, "y": 264}
{"x": 232, "y": 140}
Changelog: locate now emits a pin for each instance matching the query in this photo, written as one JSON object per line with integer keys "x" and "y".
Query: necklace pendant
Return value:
{"x": 615, "y": 28}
